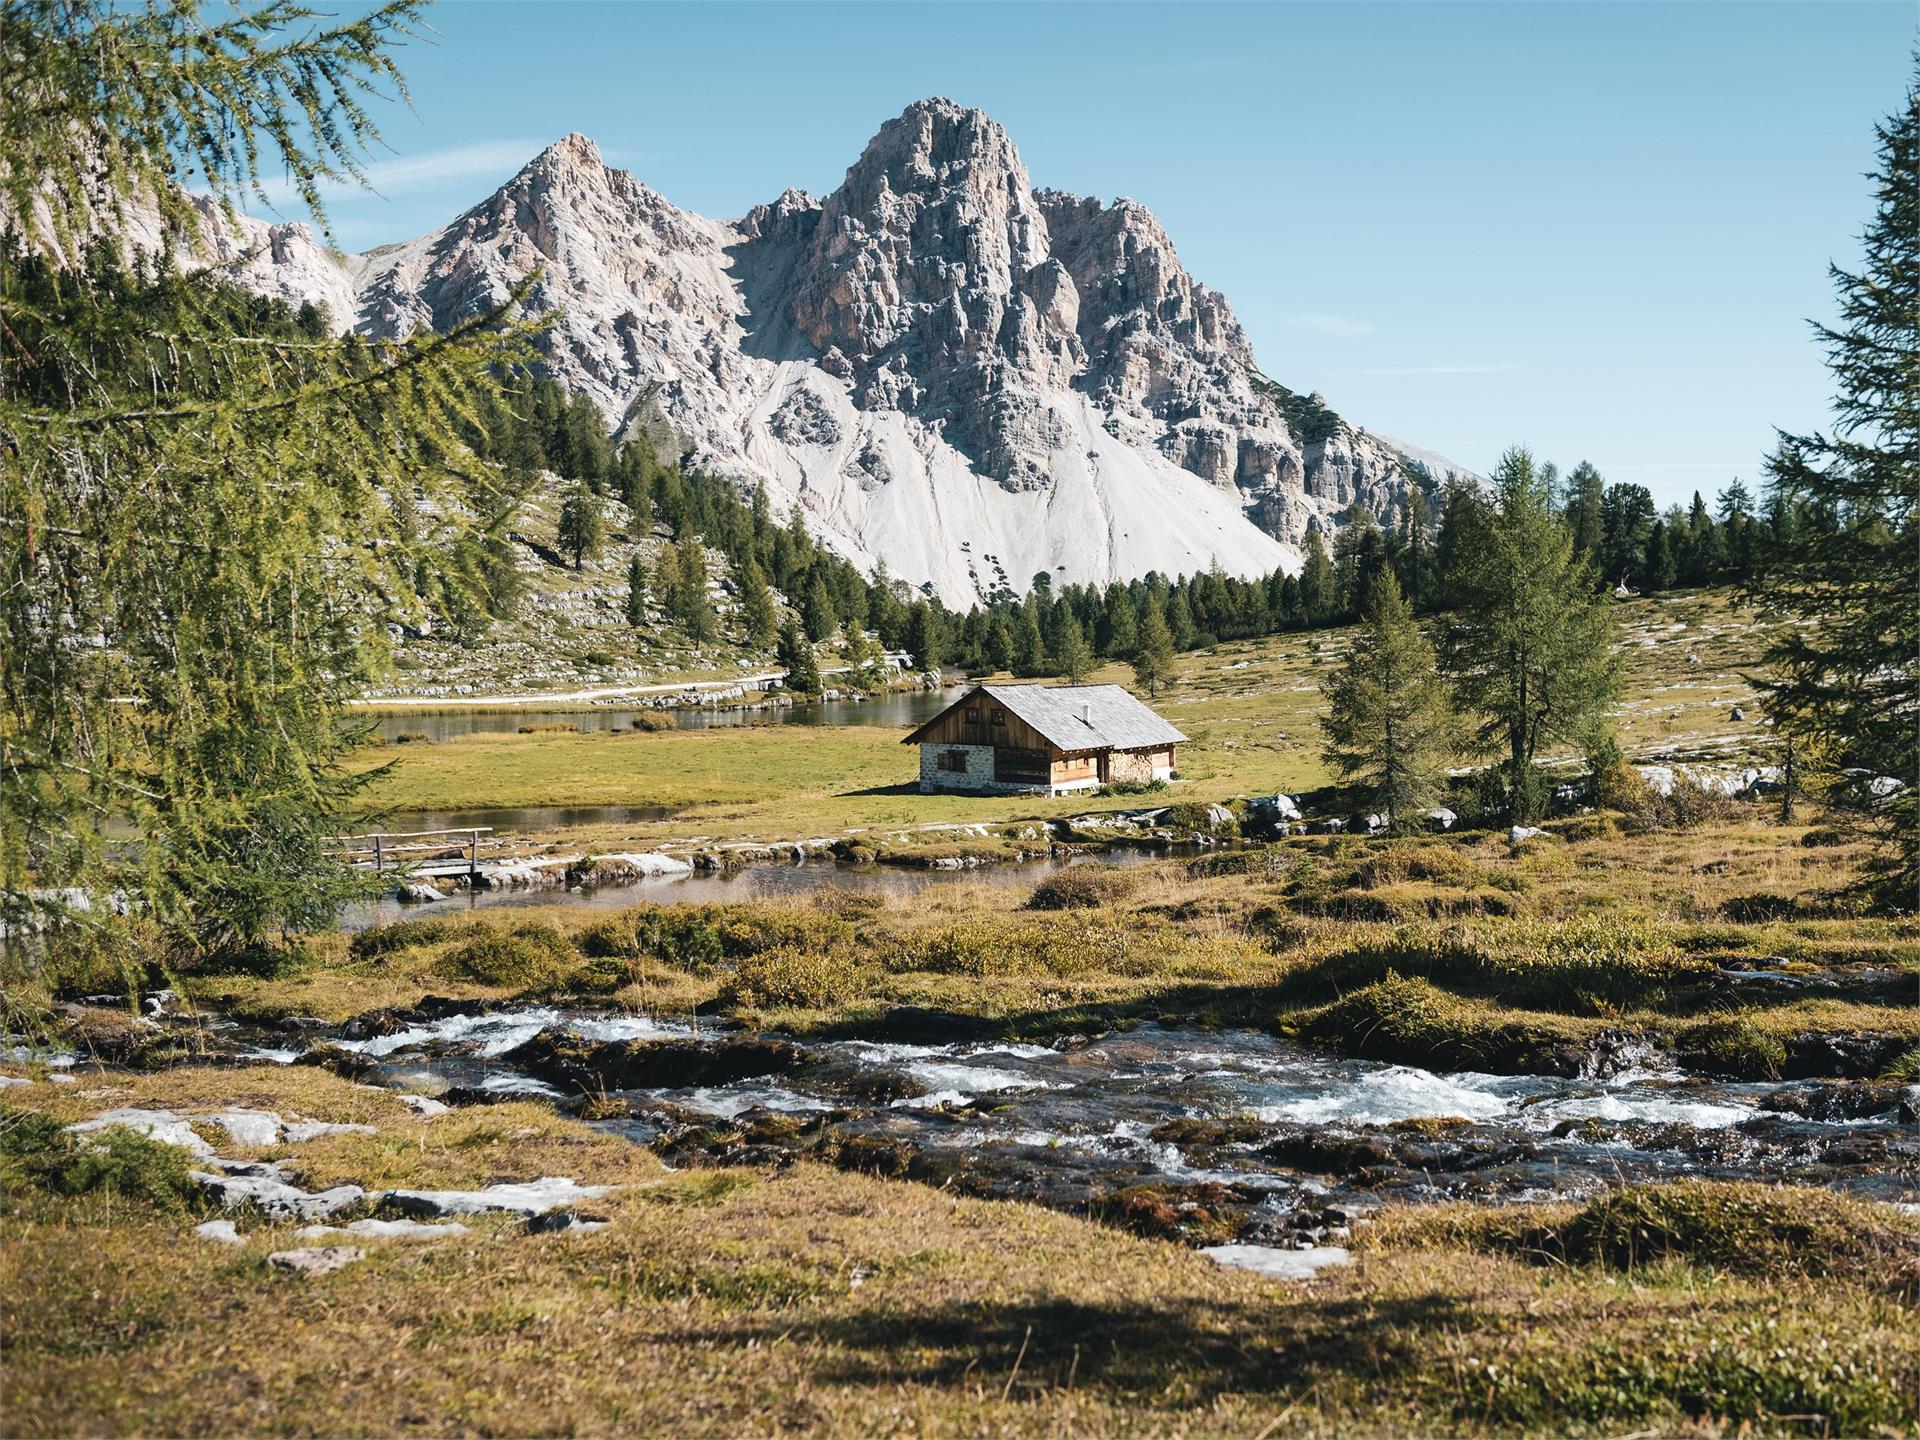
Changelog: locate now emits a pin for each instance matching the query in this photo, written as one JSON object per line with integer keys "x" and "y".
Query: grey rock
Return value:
{"x": 317, "y": 1259}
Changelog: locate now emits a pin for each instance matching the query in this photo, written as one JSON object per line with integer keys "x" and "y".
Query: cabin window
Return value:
{"x": 1022, "y": 767}
{"x": 997, "y": 717}
{"x": 973, "y": 715}
{"x": 953, "y": 761}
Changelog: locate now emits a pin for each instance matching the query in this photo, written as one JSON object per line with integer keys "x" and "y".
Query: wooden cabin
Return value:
{"x": 1043, "y": 740}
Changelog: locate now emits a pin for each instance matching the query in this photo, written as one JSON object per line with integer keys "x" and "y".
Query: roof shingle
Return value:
{"x": 1079, "y": 717}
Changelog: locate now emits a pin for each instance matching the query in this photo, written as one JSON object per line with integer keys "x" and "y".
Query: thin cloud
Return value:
{"x": 413, "y": 174}
{"x": 1500, "y": 369}
{"x": 1327, "y": 324}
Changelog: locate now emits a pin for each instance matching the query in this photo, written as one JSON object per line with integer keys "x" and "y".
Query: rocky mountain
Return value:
{"x": 950, "y": 371}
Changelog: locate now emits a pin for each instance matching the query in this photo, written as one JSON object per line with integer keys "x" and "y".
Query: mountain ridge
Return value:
{"x": 945, "y": 368}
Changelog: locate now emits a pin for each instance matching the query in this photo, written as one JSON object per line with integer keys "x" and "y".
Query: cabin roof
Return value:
{"x": 1074, "y": 717}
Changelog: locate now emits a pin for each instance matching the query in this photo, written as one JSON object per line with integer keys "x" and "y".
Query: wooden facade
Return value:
{"x": 981, "y": 743}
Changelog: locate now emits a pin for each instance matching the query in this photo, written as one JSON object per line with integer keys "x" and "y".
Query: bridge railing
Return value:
{"x": 384, "y": 848}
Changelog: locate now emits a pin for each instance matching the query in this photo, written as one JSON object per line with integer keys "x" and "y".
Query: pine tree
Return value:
{"x": 1843, "y": 674}
{"x": 1388, "y": 723}
{"x": 1585, "y": 489}
{"x": 693, "y": 607}
{"x": 1415, "y": 550}
{"x": 1029, "y": 649}
{"x": 759, "y": 616}
{"x": 580, "y": 530}
{"x": 1153, "y": 663}
{"x": 816, "y": 610}
{"x": 1179, "y": 617}
{"x": 1319, "y": 600}
{"x": 1531, "y": 653}
{"x": 1072, "y": 659}
{"x": 1121, "y": 634}
{"x": 796, "y": 655}
{"x": 636, "y": 591}
{"x": 923, "y": 637}
{"x": 206, "y": 503}
{"x": 999, "y": 644}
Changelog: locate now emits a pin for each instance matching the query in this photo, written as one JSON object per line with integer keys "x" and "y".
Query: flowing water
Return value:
{"x": 1285, "y": 1143}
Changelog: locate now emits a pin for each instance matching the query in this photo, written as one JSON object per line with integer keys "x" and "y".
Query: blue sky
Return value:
{"x": 1595, "y": 229}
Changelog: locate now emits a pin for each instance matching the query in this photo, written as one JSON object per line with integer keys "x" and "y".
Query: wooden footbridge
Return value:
{"x": 420, "y": 854}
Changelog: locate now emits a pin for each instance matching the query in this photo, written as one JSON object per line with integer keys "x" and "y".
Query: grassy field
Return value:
{"x": 1250, "y": 709}
{"x": 810, "y": 1301}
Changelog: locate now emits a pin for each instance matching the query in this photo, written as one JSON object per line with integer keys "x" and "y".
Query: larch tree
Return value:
{"x": 1072, "y": 656}
{"x": 581, "y": 530}
{"x": 1153, "y": 660}
{"x": 1389, "y": 723}
{"x": 1844, "y": 659}
{"x": 212, "y": 511}
{"x": 1531, "y": 649}
{"x": 759, "y": 616}
{"x": 636, "y": 604}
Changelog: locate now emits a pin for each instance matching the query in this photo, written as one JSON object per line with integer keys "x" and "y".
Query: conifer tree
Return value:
{"x": 1072, "y": 659}
{"x": 693, "y": 607}
{"x": 816, "y": 610}
{"x": 1531, "y": 652}
{"x": 1388, "y": 722}
{"x": 1843, "y": 669}
{"x": 1319, "y": 600}
{"x": 581, "y": 530}
{"x": 1153, "y": 662}
{"x": 1029, "y": 649}
{"x": 923, "y": 637}
{"x": 759, "y": 615}
{"x": 636, "y": 591}
{"x": 206, "y": 503}
{"x": 796, "y": 655}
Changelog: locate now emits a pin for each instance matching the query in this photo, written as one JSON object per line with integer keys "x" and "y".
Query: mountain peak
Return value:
{"x": 573, "y": 151}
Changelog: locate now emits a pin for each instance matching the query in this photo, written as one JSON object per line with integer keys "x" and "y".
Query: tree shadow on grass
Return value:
{"x": 1188, "y": 1350}
{"x": 908, "y": 787}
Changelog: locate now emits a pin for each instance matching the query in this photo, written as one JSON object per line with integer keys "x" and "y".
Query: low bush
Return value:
{"x": 1736, "y": 1228}
{"x": 785, "y": 976}
{"x": 1269, "y": 862}
{"x": 680, "y": 936}
{"x": 411, "y": 737}
{"x": 652, "y": 721}
{"x": 1412, "y": 1022}
{"x": 116, "y": 955}
{"x": 1735, "y": 1046}
{"x": 1081, "y": 887}
{"x": 1193, "y": 817}
{"x": 527, "y": 956}
{"x": 38, "y": 1151}
{"x": 1823, "y": 837}
{"x": 402, "y": 935}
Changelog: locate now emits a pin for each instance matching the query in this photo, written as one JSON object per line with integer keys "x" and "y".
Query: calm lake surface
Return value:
{"x": 899, "y": 709}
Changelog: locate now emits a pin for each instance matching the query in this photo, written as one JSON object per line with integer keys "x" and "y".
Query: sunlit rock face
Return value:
{"x": 943, "y": 367}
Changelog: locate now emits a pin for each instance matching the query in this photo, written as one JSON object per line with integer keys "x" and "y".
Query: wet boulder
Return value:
{"x": 573, "y": 1065}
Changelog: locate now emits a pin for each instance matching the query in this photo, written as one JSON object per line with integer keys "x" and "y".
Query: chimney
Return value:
{"x": 1086, "y": 714}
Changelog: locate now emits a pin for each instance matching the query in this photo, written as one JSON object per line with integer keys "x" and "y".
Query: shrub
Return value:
{"x": 785, "y": 976}
{"x": 1739, "y": 1228}
{"x": 1823, "y": 837}
{"x": 1412, "y": 1022}
{"x": 1737, "y": 1047}
{"x": 1133, "y": 787}
{"x": 675, "y": 935}
{"x": 1622, "y": 788}
{"x": 116, "y": 955}
{"x": 39, "y": 1151}
{"x": 651, "y": 721}
{"x": 552, "y": 728}
{"x": 1269, "y": 862}
{"x": 402, "y": 935}
{"x": 1192, "y": 817}
{"x": 411, "y": 737}
{"x": 526, "y": 956}
{"x": 1081, "y": 887}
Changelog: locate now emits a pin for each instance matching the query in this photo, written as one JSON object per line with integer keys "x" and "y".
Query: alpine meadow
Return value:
{"x": 851, "y": 821}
